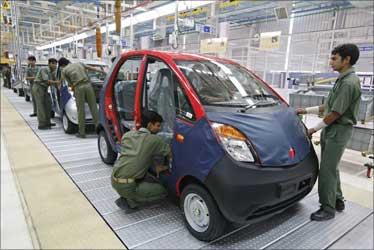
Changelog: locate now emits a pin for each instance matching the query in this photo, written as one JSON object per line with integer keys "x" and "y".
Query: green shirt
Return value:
{"x": 44, "y": 74}
{"x": 31, "y": 72}
{"x": 138, "y": 149}
{"x": 344, "y": 98}
{"x": 75, "y": 73}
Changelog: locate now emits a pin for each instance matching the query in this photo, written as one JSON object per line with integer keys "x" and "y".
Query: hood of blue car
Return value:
{"x": 278, "y": 135}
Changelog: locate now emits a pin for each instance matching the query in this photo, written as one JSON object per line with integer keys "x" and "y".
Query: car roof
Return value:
{"x": 89, "y": 62}
{"x": 38, "y": 63}
{"x": 178, "y": 55}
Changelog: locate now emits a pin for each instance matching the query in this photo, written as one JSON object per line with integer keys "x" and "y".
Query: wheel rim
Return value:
{"x": 103, "y": 146}
{"x": 65, "y": 122}
{"x": 196, "y": 212}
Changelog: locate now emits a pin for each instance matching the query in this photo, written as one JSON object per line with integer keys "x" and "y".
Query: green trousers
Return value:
{"x": 33, "y": 99}
{"x": 84, "y": 93}
{"x": 138, "y": 193}
{"x": 334, "y": 139}
{"x": 43, "y": 104}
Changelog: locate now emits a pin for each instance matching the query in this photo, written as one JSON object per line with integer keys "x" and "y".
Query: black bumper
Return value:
{"x": 244, "y": 191}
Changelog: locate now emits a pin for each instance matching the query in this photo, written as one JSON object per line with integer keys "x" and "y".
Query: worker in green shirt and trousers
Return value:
{"x": 45, "y": 77}
{"x": 340, "y": 114}
{"x": 76, "y": 76}
{"x": 31, "y": 72}
{"x": 140, "y": 150}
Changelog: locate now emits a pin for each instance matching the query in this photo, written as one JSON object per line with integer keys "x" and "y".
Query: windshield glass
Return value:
{"x": 225, "y": 84}
{"x": 96, "y": 76}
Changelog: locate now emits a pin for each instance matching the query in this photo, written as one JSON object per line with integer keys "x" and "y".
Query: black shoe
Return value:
{"x": 52, "y": 124}
{"x": 339, "y": 205}
{"x": 80, "y": 136}
{"x": 322, "y": 215}
{"x": 122, "y": 204}
{"x": 32, "y": 115}
{"x": 44, "y": 127}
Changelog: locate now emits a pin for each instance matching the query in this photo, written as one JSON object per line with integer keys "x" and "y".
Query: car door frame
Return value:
{"x": 190, "y": 93}
{"x": 111, "y": 114}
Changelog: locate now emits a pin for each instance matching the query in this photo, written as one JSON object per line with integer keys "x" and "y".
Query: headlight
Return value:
{"x": 234, "y": 142}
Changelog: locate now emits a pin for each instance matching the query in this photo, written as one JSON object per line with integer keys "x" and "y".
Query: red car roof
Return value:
{"x": 178, "y": 56}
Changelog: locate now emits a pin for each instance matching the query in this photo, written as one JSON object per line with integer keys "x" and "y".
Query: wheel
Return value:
{"x": 27, "y": 98}
{"x": 15, "y": 90}
{"x": 107, "y": 154}
{"x": 52, "y": 114}
{"x": 203, "y": 218}
{"x": 67, "y": 125}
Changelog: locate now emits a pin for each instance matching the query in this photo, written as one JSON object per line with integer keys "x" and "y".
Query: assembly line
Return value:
{"x": 220, "y": 142}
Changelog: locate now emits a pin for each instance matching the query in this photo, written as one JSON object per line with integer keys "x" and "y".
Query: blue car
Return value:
{"x": 239, "y": 151}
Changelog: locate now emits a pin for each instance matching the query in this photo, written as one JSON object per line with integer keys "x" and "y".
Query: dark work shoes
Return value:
{"x": 122, "y": 204}
{"x": 322, "y": 215}
{"x": 33, "y": 115}
{"x": 47, "y": 126}
{"x": 339, "y": 205}
{"x": 44, "y": 127}
{"x": 80, "y": 136}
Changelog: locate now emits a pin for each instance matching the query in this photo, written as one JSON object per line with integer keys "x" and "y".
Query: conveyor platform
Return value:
{"x": 162, "y": 226}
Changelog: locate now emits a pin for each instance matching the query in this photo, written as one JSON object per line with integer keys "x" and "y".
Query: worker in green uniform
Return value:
{"x": 140, "y": 150}
{"x": 45, "y": 77}
{"x": 76, "y": 76}
{"x": 340, "y": 114}
{"x": 30, "y": 77}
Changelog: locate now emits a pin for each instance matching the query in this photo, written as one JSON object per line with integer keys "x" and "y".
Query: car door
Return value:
{"x": 163, "y": 93}
{"x": 64, "y": 94}
{"x": 54, "y": 92}
{"x": 124, "y": 91}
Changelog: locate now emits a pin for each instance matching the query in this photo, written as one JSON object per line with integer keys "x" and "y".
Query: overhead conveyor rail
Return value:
{"x": 162, "y": 226}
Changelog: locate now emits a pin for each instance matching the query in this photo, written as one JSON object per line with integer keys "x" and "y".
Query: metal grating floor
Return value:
{"x": 162, "y": 226}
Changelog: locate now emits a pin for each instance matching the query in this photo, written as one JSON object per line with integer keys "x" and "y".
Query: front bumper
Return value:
{"x": 245, "y": 191}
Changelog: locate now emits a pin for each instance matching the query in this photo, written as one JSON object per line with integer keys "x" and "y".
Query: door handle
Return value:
{"x": 179, "y": 138}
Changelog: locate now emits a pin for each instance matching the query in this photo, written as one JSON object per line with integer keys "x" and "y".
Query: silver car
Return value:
{"x": 63, "y": 100}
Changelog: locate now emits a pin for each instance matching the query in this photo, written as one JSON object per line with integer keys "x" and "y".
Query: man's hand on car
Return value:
{"x": 300, "y": 111}
{"x": 161, "y": 168}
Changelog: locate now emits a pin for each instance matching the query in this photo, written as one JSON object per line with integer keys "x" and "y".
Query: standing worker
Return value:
{"x": 30, "y": 77}
{"x": 76, "y": 76}
{"x": 340, "y": 114}
{"x": 139, "y": 151}
{"x": 45, "y": 77}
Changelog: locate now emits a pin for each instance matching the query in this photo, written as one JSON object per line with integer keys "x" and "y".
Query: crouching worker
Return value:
{"x": 140, "y": 151}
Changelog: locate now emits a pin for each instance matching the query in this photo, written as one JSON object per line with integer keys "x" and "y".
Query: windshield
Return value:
{"x": 225, "y": 84}
{"x": 96, "y": 76}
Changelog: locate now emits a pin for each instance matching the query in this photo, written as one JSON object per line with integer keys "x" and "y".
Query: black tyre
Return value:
{"x": 202, "y": 216}
{"x": 27, "y": 98}
{"x": 15, "y": 90}
{"x": 67, "y": 125}
{"x": 107, "y": 154}
{"x": 53, "y": 114}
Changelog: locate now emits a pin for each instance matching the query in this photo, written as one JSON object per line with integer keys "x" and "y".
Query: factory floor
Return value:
{"x": 41, "y": 207}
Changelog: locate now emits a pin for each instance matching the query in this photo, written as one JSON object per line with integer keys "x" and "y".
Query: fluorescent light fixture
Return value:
{"x": 164, "y": 10}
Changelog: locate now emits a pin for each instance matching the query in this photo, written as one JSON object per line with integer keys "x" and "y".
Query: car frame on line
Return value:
{"x": 239, "y": 151}
{"x": 63, "y": 100}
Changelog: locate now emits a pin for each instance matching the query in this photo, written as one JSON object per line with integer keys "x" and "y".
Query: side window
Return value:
{"x": 125, "y": 86}
{"x": 165, "y": 96}
{"x": 159, "y": 94}
{"x": 183, "y": 106}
